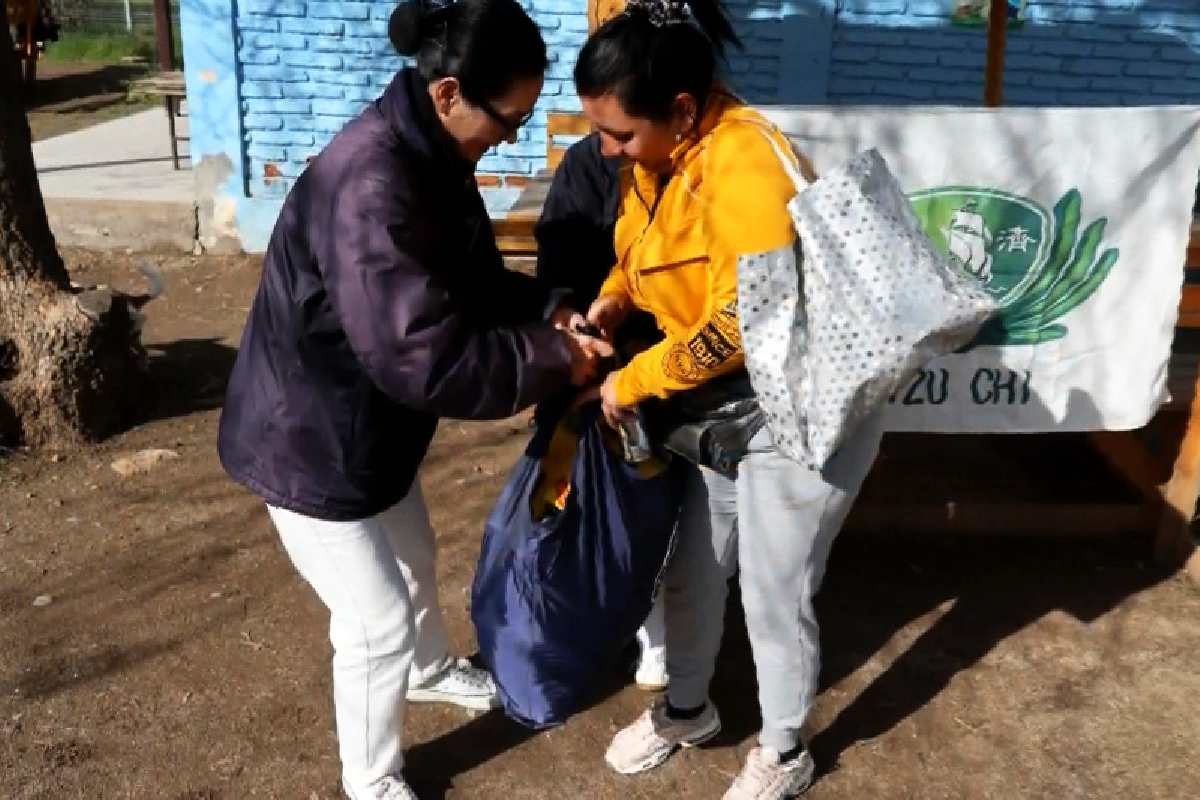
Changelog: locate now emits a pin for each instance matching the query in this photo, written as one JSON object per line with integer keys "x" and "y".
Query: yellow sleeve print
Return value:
{"x": 673, "y": 365}
{"x": 745, "y": 191}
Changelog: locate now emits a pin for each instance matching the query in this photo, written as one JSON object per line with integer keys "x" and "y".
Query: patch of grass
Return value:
{"x": 107, "y": 48}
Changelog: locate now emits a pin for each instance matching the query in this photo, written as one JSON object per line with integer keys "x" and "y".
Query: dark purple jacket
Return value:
{"x": 383, "y": 305}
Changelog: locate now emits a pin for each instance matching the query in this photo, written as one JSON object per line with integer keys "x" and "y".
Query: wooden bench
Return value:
{"x": 171, "y": 87}
{"x": 28, "y": 51}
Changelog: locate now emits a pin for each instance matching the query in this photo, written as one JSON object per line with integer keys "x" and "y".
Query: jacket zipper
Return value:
{"x": 651, "y": 211}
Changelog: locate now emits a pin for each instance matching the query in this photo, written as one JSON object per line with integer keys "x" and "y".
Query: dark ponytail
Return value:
{"x": 487, "y": 45}
{"x": 651, "y": 53}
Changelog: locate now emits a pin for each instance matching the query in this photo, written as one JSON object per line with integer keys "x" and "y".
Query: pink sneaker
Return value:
{"x": 654, "y": 737}
{"x": 765, "y": 777}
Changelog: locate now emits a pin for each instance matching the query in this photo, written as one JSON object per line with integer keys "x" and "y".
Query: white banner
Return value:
{"x": 1077, "y": 218}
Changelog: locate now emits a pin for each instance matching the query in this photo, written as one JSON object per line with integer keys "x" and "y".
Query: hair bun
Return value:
{"x": 404, "y": 27}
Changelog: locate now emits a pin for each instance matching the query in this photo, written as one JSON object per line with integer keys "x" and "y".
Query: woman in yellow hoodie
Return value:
{"x": 702, "y": 190}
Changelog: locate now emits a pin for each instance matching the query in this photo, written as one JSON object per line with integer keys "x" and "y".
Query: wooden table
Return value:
{"x": 514, "y": 231}
{"x": 171, "y": 87}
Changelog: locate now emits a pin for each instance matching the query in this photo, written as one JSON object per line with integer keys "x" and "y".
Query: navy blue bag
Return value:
{"x": 555, "y": 600}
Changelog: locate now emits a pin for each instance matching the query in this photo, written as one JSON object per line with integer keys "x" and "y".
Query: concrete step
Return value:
{"x": 113, "y": 186}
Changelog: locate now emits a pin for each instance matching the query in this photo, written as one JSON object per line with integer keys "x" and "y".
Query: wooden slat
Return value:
{"x": 1189, "y": 308}
{"x": 567, "y": 125}
{"x": 562, "y": 125}
{"x": 1181, "y": 379}
{"x": 601, "y": 11}
{"x": 514, "y": 236}
{"x": 514, "y": 233}
{"x": 166, "y": 83}
{"x": 533, "y": 197}
{"x": 1189, "y": 301}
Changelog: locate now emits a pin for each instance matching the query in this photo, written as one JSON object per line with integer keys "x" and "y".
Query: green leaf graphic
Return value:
{"x": 1071, "y": 274}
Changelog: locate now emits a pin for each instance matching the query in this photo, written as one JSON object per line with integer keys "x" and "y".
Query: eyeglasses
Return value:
{"x": 509, "y": 125}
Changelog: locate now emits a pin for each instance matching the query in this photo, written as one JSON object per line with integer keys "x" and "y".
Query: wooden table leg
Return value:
{"x": 1173, "y": 544}
{"x": 1127, "y": 455}
{"x": 170, "y": 103}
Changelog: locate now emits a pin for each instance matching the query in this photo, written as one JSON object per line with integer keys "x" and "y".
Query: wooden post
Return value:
{"x": 1173, "y": 544}
{"x": 164, "y": 35}
{"x": 600, "y": 11}
{"x": 997, "y": 32}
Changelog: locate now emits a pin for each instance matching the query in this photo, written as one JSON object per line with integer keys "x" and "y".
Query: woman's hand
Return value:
{"x": 567, "y": 318}
{"x": 583, "y": 361}
{"x": 607, "y": 313}
{"x": 613, "y": 413}
{"x": 585, "y": 351}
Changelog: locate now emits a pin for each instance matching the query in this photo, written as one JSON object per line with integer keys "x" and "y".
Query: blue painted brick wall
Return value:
{"x": 308, "y": 67}
{"x": 754, "y": 71}
{"x": 564, "y": 27}
{"x": 1069, "y": 52}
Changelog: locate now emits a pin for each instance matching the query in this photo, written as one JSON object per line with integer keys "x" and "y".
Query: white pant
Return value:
{"x": 376, "y": 577}
{"x": 775, "y": 523}
{"x": 652, "y": 636}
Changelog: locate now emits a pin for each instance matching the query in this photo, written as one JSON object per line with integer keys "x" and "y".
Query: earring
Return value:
{"x": 679, "y": 137}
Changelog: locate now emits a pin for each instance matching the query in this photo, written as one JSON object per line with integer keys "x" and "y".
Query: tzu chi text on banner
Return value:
{"x": 1078, "y": 222}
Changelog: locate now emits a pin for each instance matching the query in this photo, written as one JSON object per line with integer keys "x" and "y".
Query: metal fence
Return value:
{"x": 106, "y": 16}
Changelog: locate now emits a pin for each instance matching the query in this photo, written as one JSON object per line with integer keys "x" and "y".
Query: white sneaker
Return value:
{"x": 392, "y": 787}
{"x": 654, "y": 737}
{"x": 651, "y": 675}
{"x": 461, "y": 684}
{"x": 765, "y": 777}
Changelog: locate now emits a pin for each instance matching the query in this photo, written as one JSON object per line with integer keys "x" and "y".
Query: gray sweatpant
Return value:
{"x": 776, "y": 522}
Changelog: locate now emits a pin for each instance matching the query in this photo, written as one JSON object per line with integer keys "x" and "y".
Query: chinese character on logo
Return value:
{"x": 1016, "y": 238}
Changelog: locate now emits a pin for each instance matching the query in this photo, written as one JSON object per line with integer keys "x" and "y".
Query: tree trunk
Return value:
{"x": 72, "y": 366}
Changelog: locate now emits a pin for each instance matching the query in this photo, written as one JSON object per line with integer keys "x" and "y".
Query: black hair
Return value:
{"x": 488, "y": 45}
{"x": 646, "y": 64}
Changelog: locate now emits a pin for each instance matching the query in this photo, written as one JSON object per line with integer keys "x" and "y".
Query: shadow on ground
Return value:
{"x": 187, "y": 376}
{"x": 876, "y": 587}
{"x": 76, "y": 88}
{"x": 433, "y": 765}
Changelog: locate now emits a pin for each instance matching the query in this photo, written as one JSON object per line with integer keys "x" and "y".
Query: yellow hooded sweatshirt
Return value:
{"x": 725, "y": 199}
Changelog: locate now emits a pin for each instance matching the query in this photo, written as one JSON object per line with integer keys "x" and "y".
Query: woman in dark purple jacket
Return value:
{"x": 384, "y": 305}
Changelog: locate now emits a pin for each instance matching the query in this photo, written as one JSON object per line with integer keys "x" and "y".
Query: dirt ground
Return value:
{"x": 180, "y": 657}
